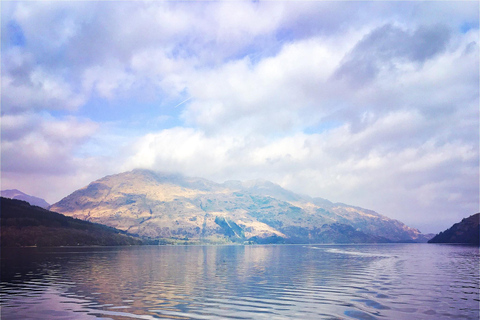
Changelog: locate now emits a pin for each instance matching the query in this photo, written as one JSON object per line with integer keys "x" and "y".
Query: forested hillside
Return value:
{"x": 25, "y": 225}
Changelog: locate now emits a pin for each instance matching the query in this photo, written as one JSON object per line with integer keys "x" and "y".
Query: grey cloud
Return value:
{"x": 426, "y": 42}
{"x": 32, "y": 144}
{"x": 19, "y": 159}
{"x": 387, "y": 45}
{"x": 18, "y": 66}
{"x": 14, "y": 127}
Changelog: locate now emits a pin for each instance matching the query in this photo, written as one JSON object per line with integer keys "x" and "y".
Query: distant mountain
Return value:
{"x": 171, "y": 206}
{"x": 19, "y": 195}
{"x": 466, "y": 231}
{"x": 25, "y": 225}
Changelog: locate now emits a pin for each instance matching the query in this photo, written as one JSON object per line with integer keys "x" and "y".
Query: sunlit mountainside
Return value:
{"x": 171, "y": 206}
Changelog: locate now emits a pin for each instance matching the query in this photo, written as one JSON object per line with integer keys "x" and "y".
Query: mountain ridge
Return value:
{"x": 466, "y": 231}
{"x": 19, "y": 195}
{"x": 163, "y": 205}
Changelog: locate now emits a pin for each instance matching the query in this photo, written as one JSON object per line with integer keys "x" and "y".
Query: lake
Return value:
{"x": 389, "y": 281}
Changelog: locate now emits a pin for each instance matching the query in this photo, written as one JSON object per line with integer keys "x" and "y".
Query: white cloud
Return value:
{"x": 107, "y": 81}
{"x": 27, "y": 87}
{"x": 273, "y": 95}
{"x": 330, "y": 165}
{"x": 261, "y": 99}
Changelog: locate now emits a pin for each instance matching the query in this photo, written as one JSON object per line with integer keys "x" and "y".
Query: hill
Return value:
{"x": 25, "y": 225}
{"x": 19, "y": 195}
{"x": 171, "y": 206}
{"x": 466, "y": 231}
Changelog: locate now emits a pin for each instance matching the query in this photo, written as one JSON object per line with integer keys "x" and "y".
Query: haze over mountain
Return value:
{"x": 19, "y": 195}
{"x": 159, "y": 205}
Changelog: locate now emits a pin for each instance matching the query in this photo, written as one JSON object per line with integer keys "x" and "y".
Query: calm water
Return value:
{"x": 400, "y": 281}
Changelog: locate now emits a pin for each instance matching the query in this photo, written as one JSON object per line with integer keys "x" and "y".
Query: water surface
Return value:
{"x": 394, "y": 281}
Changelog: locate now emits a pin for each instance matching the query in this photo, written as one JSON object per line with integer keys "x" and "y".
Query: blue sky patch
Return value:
{"x": 15, "y": 34}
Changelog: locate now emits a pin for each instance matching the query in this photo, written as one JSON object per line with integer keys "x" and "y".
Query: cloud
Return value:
{"x": 337, "y": 165}
{"x": 51, "y": 157}
{"x": 117, "y": 50}
{"x": 388, "y": 45}
{"x": 107, "y": 81}
{"x": 294, "y": 89}
{"x": 398, "y": 146}
{"x": 373, "y": 104}
{"x": 31, "y": 143}
{"x": 29, "y": 87}
{"x": 268, "y": 96}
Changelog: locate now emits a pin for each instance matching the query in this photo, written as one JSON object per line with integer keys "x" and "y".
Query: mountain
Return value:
{"x": 171, "y": 206}
{"x": 466, "y": 231}
{"x": 19, "y": 195}
{"x": 25, "y": 225}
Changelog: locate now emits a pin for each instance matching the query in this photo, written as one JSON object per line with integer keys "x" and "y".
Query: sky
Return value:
{"x": 373, "y": 104}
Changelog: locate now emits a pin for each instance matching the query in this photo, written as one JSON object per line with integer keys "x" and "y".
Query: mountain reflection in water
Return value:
{"x": 393, "y": 281}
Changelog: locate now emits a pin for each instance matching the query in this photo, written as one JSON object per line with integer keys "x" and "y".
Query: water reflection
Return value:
{"x": 242, "y": 282}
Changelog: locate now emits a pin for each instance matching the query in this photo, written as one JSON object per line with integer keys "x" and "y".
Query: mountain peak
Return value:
{"x": 13, "y": 192}
{"x": 19, "y": 195}
{"x": 168, "y": 205}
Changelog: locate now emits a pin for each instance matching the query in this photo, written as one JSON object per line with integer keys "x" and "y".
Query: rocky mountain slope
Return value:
{"x": 466, "y": 231}
{"x": 26, "y": 225}
{"x": 19, "y": 195}
{"x": 158, "y": 205}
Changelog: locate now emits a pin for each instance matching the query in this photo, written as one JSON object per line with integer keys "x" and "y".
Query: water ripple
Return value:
{"x": 235, "y": 282}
